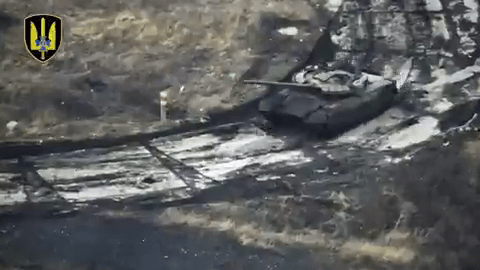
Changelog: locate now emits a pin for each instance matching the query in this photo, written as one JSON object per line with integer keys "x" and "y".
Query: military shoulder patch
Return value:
{"x": 43, "y": 36}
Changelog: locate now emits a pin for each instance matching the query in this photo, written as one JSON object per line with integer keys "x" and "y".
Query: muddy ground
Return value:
{"x": 316, "y": 206}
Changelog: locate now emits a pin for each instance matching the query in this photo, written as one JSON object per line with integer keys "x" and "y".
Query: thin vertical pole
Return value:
{"x": 163, "y": 105}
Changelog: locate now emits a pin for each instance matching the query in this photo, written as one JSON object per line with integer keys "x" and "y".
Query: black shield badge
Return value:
{"x": 43, "y": 36}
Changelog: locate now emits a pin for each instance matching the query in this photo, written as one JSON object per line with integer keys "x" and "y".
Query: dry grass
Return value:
{"x": 394, "y": 247}
{"x": 138, "y": 46}
{"x": 388, "y": 254}
{"x": 253, "y": 229}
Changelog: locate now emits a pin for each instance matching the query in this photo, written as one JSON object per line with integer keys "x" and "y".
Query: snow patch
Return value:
{"x": 439, "y": 27}
{"x": 444, "y": 78}
{"x": 220, "y": 170}
{"x": 268, "y": 177}
{"x": 134, "y": 170}
{"x": 247, "y": 143}
{"x": 333, "y": 5}
{"x": 241, "y": 145}
{"x": 370, "y": 129}
{"x": 288, "y": 31}
{"x": 433, "y": 5}
{"x": 119, "y": 191}
{"x": 426, "y": 128}
{"x": 170, "y": 145}
{"x": 435, "y": 89}
{"x": 468, "y": 46}
{"x": 11, "y": 125}
{"x": 472, "y": 13}
{"x": 441, "y": 106}
{"x": 12, "y": 197}
{"x": 405, "y": 70}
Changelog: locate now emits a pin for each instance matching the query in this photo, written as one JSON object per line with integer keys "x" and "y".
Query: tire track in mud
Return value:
{"x": 433, "y": 28}
{"x": 365, "y": 34}
{"x": 419, "y": 25}
{"x": 247, "y": 153}
{"x": 454, "y": 42}
{"x": 188, "y": 174}
{"x": 370, "y": 35}
{"x": 194, "y": 161}
{"x": 420, "y": 29}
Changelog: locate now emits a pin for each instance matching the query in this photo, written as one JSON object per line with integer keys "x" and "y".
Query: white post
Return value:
{"x": 163, "y": 105}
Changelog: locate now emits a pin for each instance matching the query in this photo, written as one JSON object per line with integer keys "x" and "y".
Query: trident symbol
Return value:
{"x": 43, "y": 44}
{"x": 43, "y": 34}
